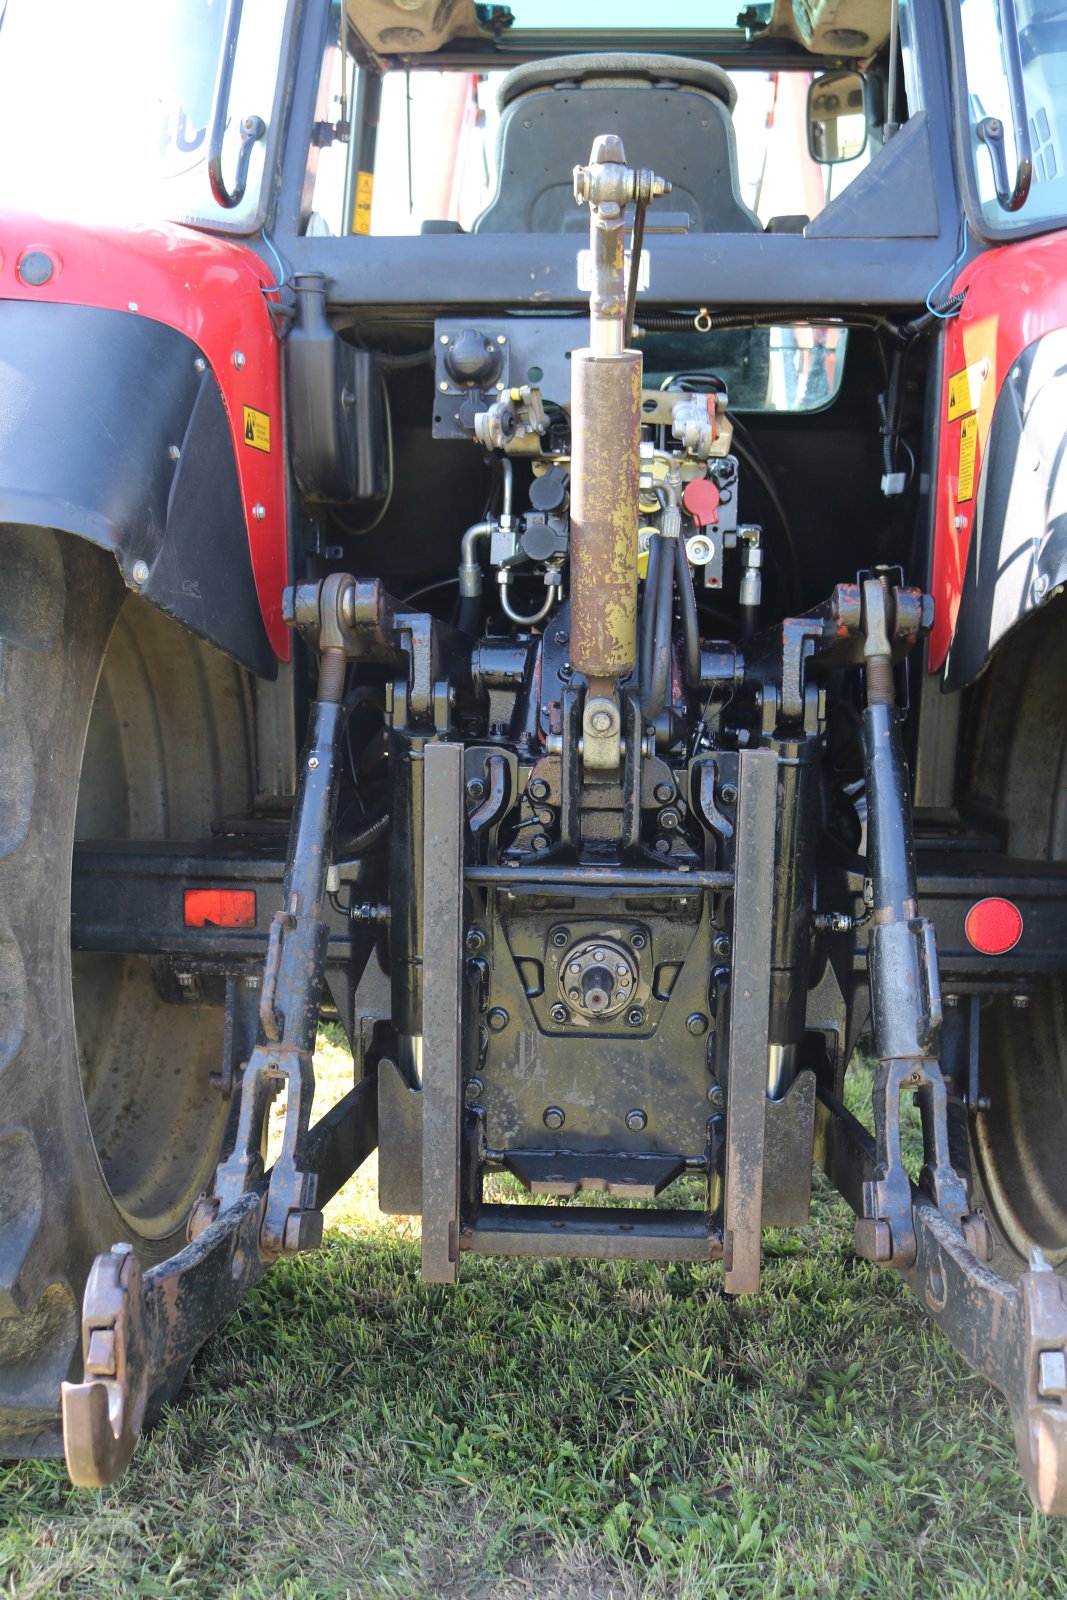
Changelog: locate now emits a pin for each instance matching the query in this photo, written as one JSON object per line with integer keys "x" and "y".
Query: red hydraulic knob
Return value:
{"x": 701, "y": 499}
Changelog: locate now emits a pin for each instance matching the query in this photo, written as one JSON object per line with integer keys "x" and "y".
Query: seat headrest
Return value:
{"x": 613, "y": 67}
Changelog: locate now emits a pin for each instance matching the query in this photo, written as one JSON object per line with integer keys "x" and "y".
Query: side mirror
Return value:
{"x": 838, "y": 115}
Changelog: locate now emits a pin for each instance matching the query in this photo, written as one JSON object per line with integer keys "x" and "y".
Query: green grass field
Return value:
{"x": 555, "y": 1429}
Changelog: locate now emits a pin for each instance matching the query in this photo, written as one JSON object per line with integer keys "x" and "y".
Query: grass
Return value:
{"x": 555, "y": 1429}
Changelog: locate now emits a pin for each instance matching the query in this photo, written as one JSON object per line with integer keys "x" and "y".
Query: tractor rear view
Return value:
{"x": 549, "y": 556}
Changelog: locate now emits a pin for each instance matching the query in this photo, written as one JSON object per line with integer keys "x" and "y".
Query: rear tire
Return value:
{"x": 108, "y": 1125}
{"x": 1018, "y": 769}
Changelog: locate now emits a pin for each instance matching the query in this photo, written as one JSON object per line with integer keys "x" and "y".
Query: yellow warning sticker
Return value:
{"x": 364, "y": 196}
{"x": 965, "y": 389}
{"x": 257, "y": 429}
{"x": 968, "y": 445}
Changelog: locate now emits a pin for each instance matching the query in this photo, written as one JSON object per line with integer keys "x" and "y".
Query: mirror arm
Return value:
{"x": 252, "y": 128}
{"x": 991, "y": 130}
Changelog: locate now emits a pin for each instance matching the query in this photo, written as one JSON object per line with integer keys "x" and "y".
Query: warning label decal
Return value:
{"x": 257, "y": 429}
{"x": 968, "y": 445}
{"x": 965, "y": 389}
{"x": 364, "y": 196}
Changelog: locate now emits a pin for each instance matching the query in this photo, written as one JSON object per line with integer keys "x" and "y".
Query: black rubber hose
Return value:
{"x": 648, "y": 614}
{"x": 659, "y": 675}
{"x": 745, "y": 447}
{"x": 376, "y": 823}
{"x": 469, "y": 615}
{"x": 690, "y": 626}
{"x": 685, "y": 321}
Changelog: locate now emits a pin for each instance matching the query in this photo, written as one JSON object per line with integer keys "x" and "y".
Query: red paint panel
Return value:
{"x": 1014, "y": 295}
{"x": 211, "y": 290}
{"x": 220, "y": 908}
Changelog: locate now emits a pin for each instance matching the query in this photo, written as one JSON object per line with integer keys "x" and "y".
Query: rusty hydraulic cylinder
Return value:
{"x": 606, "y": 431}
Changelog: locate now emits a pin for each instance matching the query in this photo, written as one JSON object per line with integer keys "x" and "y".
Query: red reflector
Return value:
{"x": 220, "y": 908}
{"x": 994, "y": 926}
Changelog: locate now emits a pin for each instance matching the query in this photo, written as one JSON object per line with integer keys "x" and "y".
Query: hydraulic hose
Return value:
{"x": 648, "y": 614}
{"x": 690, "y": 625}
{"x": 470, "y": 577}
{"x": 660, "y": 663}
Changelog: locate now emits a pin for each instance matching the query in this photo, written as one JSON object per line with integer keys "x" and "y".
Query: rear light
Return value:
{"x": 994, "y": 926}
{"x": 220, "y": 908}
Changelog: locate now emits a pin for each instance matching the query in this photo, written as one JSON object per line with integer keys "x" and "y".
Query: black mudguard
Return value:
{"x": 113, "y": 428}
{"x": 1017, "y": 558}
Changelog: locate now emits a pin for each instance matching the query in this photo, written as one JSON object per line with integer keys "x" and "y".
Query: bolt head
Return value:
{"x": 560, "y": 937}
{"x": 716, "y": 1098}
{"x": 472, "y": 1091}
{"x": 540, "y": 841}
{"x": 560, "y": 1013}
{"x": 199, "y": 365}
{"x": 636, "y": 1121}
{"x": 498, "y": 1019}
{"x": 238, "y": 359}
{"x": 721, "y": 944}
{"x": 475, "y": 941}
{"x": 174, "y": 452}
{"x": 313, "y": 762}
{"x": 139, "y": 574}
{"x": 728, "y": 794}
{"x": 664, "y": 792}
{"x": 1021, "y": 1002}
{"x": 669, "y": 818}
{"x": 635, "y": 1016}
{"x": 600, "y": 722}
{"x": 259, "y": 511}
{"x": 553, "y": 1117}
{"x": 538, "y": 789}
{"x": 696, "y": 1023}
{"x": 638, "y": 939}
{"x": 475, "y": 789}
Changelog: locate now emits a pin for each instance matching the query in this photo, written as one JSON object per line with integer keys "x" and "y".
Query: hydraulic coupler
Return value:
{"x": 902, "y": 973}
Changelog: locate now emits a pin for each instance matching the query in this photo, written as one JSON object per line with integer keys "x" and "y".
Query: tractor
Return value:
{"x": 535, "y": 533}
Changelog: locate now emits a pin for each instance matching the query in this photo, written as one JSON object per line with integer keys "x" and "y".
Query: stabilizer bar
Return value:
{"x": 1015, "y": 1334}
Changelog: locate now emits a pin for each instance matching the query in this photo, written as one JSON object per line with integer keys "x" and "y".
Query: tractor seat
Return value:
{"x": 672, "y": 114}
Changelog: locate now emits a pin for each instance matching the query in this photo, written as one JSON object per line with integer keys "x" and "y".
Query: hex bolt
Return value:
{"x": 313, "y": 762}
{"x": 537, "y": 789}
{"x": 1021, "y": 1002}
{"x": 716, "y": 1098}
{"x": 663, "y": 847}
{"x": 475, "y": 941}
{"x": 664, "y": 792}
{"x": 498, "y": 1019}
{"x": 472, "y": 1091}
{"x": 637, "y": 939}
{"x": 540, "y": 841}
{"x": 728, "y": 794}
{"x": 601, "y": 721}
{"x": 635, "y": 1016}
{"x": 560, "y": 937}
{"x": 721, "y": 944}
{"x": 475, "y": 789}
{"x": 636, "y": 1121}
{"x": 560, "y": 1013}
{"x": 697, "y": 1023}
{"x": 139, "y": 574}
{"x": 238, "y": 359}
{"x": 553, "y": 1117}
{"x": 259, "y": 511}
{"x": 669, "y": 818}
